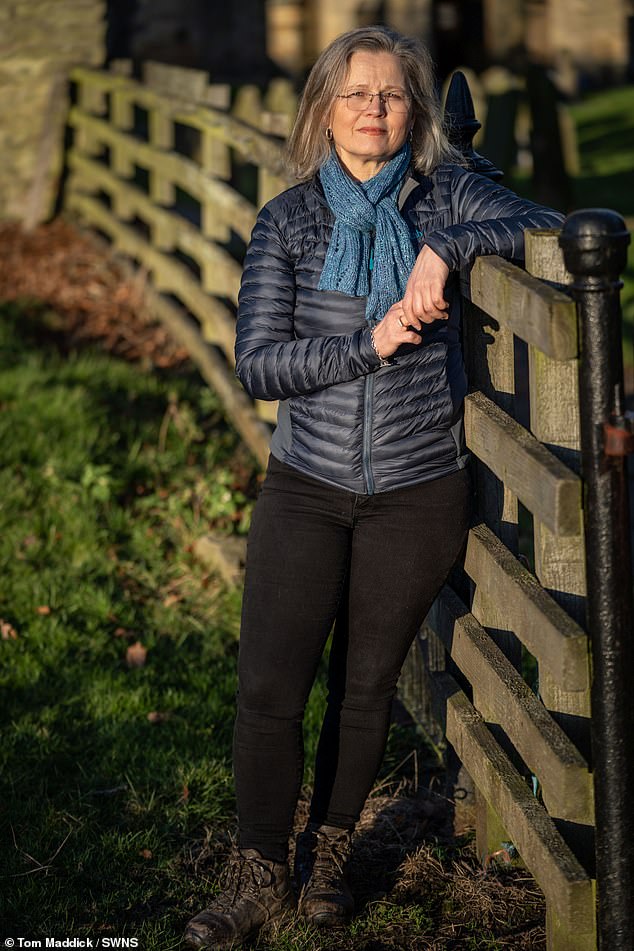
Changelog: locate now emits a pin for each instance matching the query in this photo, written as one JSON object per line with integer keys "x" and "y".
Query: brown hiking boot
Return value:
{"x": 255, "y": 893}
{"x": 321, "y": 859}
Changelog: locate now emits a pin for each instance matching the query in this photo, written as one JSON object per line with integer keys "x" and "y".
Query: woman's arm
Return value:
{"x": 270, "y": 363}
{"x": 489, "y": 219}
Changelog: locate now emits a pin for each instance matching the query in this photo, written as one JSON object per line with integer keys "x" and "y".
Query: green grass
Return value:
{"x": 106, "y": 472}
{"x": 604, "y": 124}
{"x": 116, "y": 794}
{"x": 605, "y": 133}
{"x": 605, "y": 136}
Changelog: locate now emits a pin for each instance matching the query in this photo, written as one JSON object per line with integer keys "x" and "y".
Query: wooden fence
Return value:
{"x": 525, "y": 747}
{"x": 172, "y": 172}
{"x": 152, "y": 167}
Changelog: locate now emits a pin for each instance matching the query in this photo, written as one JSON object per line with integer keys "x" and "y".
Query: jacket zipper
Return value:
{"x": 368, "y": 394}
{"x": 366, "y": 451}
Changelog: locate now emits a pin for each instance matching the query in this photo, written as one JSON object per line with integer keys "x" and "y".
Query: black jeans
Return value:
{"x": 315, "y": 554}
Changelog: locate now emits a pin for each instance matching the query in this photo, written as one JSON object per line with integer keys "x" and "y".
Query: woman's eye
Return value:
{"x": 358, "y": 95}
{"x": 394, "y": 97}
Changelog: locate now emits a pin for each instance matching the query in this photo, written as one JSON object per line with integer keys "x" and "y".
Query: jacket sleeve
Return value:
{"x": 270, "y": 363}
{"x": 489, "y": 219}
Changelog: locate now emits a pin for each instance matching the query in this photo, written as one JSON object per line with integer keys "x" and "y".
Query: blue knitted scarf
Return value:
{"x": 364, "y": 210}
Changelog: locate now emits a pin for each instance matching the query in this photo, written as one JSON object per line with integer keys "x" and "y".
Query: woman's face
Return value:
{"x": 366, "y": 140}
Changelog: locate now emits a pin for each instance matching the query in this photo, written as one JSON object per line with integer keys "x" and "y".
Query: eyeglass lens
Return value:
{"x": 395, "y": 102}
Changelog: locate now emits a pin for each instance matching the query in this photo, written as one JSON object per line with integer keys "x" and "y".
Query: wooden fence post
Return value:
{"x": 560, "y": 561}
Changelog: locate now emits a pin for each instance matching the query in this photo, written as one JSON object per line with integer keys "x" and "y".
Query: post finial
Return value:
{"x": 462, "y": 125}
{"x": 594, "y": 242}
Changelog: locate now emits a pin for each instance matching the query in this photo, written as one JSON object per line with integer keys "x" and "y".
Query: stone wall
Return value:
{"x": 298, "y": 30}
{"x": 39, "y": 41}
{"x": 592, "y": 36}
{"x": 585, "y": 42}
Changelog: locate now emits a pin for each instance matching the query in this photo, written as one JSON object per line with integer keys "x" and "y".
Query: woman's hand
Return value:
{"x": 423, "y": 302}
{"x": 424, "y": 299}
{"x": 395, "y": 330}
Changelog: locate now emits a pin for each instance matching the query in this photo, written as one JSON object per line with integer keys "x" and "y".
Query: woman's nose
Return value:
{"x": 376, "y": 106}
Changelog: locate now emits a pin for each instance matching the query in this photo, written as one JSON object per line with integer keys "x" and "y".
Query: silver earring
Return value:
{"x": 329, "y": 133}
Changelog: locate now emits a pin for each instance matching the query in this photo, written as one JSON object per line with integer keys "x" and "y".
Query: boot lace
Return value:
{"x": 331, "y": 856}
{"x": 242, "y": 882}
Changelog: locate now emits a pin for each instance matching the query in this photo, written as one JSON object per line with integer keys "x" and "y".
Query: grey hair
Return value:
{"x": 307, "y": 147}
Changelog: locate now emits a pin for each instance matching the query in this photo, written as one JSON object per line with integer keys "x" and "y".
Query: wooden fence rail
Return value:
{"x": 156, "y": 166}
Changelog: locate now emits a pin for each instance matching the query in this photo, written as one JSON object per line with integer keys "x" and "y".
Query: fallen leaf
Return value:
{"x": 120, "y": 632}
{"x": 136, "y": 654}
{"x": 43, "y": 609}
{"x": 171, "y": 599}
{"x": 146, "y": 853}
{"x": 7, "y": 631}
{"x": 29, "y": 541}
{"x": 184, "y": 794}
{"x": 155, "y": 716}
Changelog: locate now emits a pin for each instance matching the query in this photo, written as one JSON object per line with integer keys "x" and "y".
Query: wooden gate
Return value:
{"x": 502, "y": 662}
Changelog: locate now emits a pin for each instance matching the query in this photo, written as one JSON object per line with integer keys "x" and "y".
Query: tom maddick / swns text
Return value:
{"x": 70, "y": 942}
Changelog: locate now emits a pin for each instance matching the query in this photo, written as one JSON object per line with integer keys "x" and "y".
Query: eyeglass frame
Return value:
{"x": 383, "y": 97}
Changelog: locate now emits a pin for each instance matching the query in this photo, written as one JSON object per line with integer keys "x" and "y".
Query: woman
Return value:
{"x": 349, "y": 315}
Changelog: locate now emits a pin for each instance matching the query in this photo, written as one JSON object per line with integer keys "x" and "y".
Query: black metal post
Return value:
{"x": 462, "y": 125}
{"x": 594, "y": 244}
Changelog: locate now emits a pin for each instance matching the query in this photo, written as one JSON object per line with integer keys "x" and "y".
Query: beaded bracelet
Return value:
{"x": 384, "y": 362}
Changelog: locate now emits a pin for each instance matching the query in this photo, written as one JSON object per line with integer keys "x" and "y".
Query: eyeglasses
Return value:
{"x": 359, "y": 101}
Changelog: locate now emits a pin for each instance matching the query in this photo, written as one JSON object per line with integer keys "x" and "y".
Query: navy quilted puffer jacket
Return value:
{"x": 343, "y": 418}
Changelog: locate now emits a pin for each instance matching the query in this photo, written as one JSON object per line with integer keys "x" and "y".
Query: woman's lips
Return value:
{"x": 372, "y": 130}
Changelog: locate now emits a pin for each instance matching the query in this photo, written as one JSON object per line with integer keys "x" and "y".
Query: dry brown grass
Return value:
{"x": 81, "y": 291}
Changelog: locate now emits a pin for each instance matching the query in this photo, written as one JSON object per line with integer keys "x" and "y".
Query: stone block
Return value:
{"x": 14, "y": 205}
{"x": 15, "y": 145}
{"x": 26, "y": 70}
{"x": 14, "y": 97}
{"x": 79, "y": 46}
{"x": 28, "y": 122}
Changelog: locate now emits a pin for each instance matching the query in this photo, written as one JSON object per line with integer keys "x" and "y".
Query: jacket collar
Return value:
{"x": 409, "y": 185}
